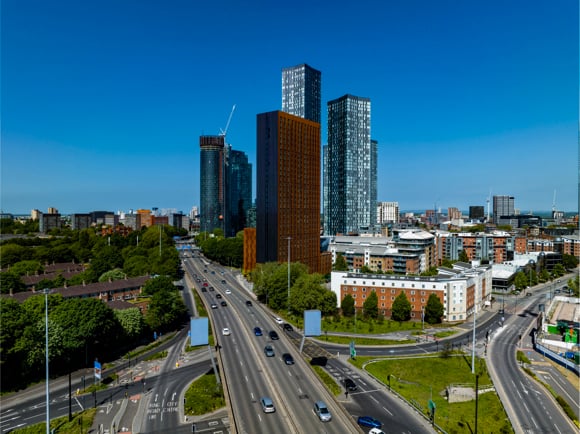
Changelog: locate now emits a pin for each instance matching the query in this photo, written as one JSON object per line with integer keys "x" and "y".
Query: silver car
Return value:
{"x": 267, "y": 405}
{"x": 322, "y": 411}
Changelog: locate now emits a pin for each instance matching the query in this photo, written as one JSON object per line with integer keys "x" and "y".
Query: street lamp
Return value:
{"x": 289, "y": 238}
{"x": 46, "y": 291}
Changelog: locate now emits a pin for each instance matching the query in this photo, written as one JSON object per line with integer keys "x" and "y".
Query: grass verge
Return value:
{"x": 327, "y": 380}
{"x": 204, "y": 396}
{"x": 420, "y": 380}
{"x": 80, "y": 423}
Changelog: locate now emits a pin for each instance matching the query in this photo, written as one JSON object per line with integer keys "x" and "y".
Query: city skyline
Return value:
{"x": 103, "y": 104}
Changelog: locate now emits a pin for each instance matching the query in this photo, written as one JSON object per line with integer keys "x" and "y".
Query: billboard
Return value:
{"x": 312, "y": 320}
{"x": 98, "y": 371}
{"x": 199, "y": 331}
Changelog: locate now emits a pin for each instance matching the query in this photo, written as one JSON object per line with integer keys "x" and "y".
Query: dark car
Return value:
{"x": 224, "y": 282}
{"x": 218, "y": 295}
{"x": 273, "y": 335}
{"x": 204, "y": 289}
{"x": 248, "y": 303}
{"x": 211, "y": 288}
{"x": 288, "y": 359}
{"x": 350, "y": 385}
{"x": 257, "y": 331}
{"x": 369, "y": 422}
{"x": 223, "y": 303}
{"x": 288, "y": 327}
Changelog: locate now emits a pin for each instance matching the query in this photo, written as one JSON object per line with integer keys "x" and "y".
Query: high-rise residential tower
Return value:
{"x": 288, "y": 194}
{"x": 503, "y": 206}
{"x": 212, "y": 183}
{"x": 238, "y": 191}
{"x": 301, "y": 93}
{"x": 350, "y": 182}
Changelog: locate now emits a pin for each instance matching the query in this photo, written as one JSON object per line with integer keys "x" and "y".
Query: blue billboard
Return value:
{"x": 199, "y": 331}
{"x": 312, "y": 323}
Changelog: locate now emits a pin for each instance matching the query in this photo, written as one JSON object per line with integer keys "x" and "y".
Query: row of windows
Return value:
{"x": 392, "y": 284}
{"x": 393, "y": 291}
{"x": 392, "y": 298}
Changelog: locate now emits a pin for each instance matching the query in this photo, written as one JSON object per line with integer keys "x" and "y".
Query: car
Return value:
{"x": 278, "y": 320}
{"x": 223, "y": 303}
{"x": 214, "y": 306}
{"x": 257, "y": 331}
{"x": 369, "y": 422}
{"x": 288, "y": 327}
{"x": 211, "y": 288}
{"x": 267, "y": 405}
{"x": 204, "y": 283}
{"x": 204, "y": 289}
{"x": 248, "y": 303}
{"x": 288, "y": 359}
{"x": 228, "y": 291}
{"x": 273, "y": 335}
{"x": 269, "y": 351}
{"x": 226, "y": 331}
{"x": 528, "y": 294}
{"x": 376, "y": 431}
{"x": 322, "y": 411}
{"x": 350, "y": 385}
{"x": 223, "y": 281}
{"x": 218, "y": 295}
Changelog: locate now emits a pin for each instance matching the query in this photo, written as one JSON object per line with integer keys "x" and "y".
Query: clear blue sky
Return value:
{"x": 103, "y": 102}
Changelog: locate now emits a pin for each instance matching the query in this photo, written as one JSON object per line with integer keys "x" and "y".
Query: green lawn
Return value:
{"x": 419, "y": 380}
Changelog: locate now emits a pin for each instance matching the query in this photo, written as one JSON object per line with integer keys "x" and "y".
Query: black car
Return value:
{"x": 223, "y": 303}
{"x": 248, "y": 303}
{"x": 288, "y": 359}
{"x": 203, "y": 289}
{"x": 288, "y": 327}
{"x": 349, "y": 385}
{"x": 273, "y": 335}
{"x": 218, "y": 295}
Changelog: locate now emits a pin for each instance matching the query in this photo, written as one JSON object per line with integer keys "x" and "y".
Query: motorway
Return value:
{"x": 154, "y": 404}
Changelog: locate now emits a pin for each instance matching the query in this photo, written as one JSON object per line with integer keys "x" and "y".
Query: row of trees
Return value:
{"x": 226, "y": 251}
{"x": 148, "y": 251}
{"x": 79, "y": 330}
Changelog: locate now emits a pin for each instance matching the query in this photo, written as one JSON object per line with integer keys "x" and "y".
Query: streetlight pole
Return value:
{"x": 289, "y": 238}
{"x": 473, "y": 343}
{"x": 46, "y": 290}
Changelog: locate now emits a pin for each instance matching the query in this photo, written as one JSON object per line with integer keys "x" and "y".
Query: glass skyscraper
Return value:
{"x": 238, "y": 191}
{"x": 301, "y": 92}
{"x": 503, "y": 206}
{"x": 212, "y": 183}
{"x": 350, "y": 173}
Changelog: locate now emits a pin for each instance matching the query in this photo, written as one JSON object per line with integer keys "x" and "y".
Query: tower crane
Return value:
{"x": 225, "y": 130}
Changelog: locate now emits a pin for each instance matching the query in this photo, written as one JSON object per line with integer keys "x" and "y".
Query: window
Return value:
{"x": 412, "y": 292}
{"x": 423, "y": 292}
{"x": 413, "y": 299}
{"x": 392, "y": 291}
{"x": 422, "y": 300}
{"x": 393, "y": 298}
{"x": 383, "y": 291}
{"x": 364, "y": 290}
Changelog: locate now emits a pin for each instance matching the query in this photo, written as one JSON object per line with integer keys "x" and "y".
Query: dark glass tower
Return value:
{"x": 238, "y": 191}
{"x": 212, "y": 185}
{"x": 301, "y": 92}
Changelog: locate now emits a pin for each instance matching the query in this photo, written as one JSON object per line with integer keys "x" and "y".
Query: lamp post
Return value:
{"x": 289, "y": 238}
{"x": 423, "y": 318}
{"x": 46, "y": 290}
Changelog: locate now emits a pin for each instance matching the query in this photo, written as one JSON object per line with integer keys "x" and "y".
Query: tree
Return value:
{"x": 308, "y": 292}
{"x": 27, "y": 268}
{"x": 366, "y": 270}
{"x": 401, "y": 310}
{"x": 569, "y": 261}
{"x": 434, "y": 309}
{"x": 463, "y": 256}
{"x": 166, "y": 311}
{"x": 559, "y": 270}
{"x": 11, "y": 283}
{"x": 371, "y": 306}
{"x": 340, "y": 263}
{"x": 347, "y": 305}
{"x": 116, "y": 274}
{"x": 521, "y": 281}
{"x": 132, "y": 322}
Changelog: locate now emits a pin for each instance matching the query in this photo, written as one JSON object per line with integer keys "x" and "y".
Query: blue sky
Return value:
{"x": 103, "y": 102}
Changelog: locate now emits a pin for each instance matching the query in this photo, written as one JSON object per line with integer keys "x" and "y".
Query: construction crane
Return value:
{"x": 225, "y": 130}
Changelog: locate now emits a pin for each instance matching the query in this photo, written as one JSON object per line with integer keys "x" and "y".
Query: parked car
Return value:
{"x": 288, "y": 359}
{"x": 257, "y": 331}
{"x": 322, "y": 411}
{"x": 273, "y": 335}
{"x": 267, "y": 405}
{"x": 350, "y": 385}
{"x": 269, "y": 351}
{"x": 369, "y": 422}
